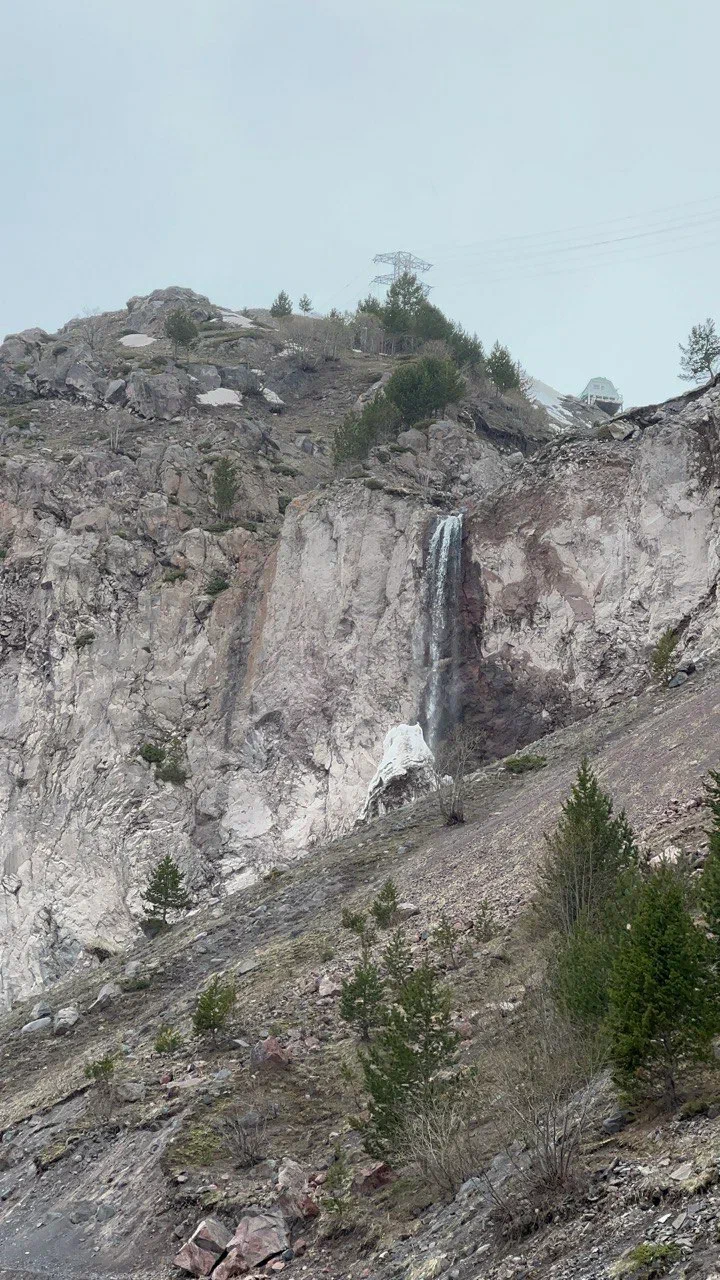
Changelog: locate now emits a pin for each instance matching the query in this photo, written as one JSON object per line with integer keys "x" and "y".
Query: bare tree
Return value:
{"x": 453, "y": 761}
{"x": 442, "y": 1139}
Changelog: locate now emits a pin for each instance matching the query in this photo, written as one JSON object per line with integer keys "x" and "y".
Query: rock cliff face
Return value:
{"x": 273, "y": 695}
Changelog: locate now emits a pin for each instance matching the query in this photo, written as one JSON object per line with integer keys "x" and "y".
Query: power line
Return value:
{"x": 402, "y": 263}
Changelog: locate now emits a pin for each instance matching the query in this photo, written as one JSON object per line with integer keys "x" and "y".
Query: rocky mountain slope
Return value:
{"x": 493, "y": 564}
{"x": 275, "y": 694}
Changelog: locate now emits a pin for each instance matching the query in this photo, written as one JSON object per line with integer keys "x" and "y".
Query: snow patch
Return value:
{"x": 136, "y": 340}
{"x": 237, "y": 319}
{"x": 220, "y": 396}
{"x": 552, "y": 401}
{"x": 406, "y": 771}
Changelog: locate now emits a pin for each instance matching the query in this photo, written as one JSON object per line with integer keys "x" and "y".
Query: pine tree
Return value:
{"x": 400, "y": 1067}
{"x": 213, "y": 1007}
{"x": 181, "y": 329}
{"x": 405, "y": 298}
{"x": 397, "y": 961}
{"x": 305, "y": 304}
{"x": 385, "y": 905}
{"x": 166, "y": 890}
{"x": 224, "y": 485}
{"x": 504, "y": 371}
{"x": 282, "y": 306}
{"x": 710, "y": 882}
{"x": 445, "y": 939}
{"x": 662, "y": 1009}
{"x": 586, "y": 857}
{"x": 699, "y": 359}
{"x": 362, "y": 997}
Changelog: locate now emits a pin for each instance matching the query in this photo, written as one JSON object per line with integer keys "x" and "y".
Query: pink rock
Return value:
{"x": 230, "y": 1266}
{"x": 270, "y": 1053}
{"x": 166, "y": 1077}
{"x": 259, "y": 1236}
{"x": 329, "y": 986}
{"x": 207, "y": 1243}
{"x": 371, "y": 1176}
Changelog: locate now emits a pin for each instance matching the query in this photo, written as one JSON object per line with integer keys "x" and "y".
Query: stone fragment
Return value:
{"x": 370, "y": 1177}
{"x": 65, "y": 1020}
{"x": 270, "y": 1054}
{"x": 206, "y": 1245}
{"x": 259, "y": 1236}
{"x": 107, "y": 993}
{"x": 37, "y": 1026}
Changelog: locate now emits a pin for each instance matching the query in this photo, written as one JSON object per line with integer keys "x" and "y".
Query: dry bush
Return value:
{"x": 442, "y": 1139}
{"x": 543, "y": 1096}
{"x": 243, "y": 1134}
{"x": 454, "y": 759}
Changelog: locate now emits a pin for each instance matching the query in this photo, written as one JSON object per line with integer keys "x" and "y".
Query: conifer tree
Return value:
{"x": 181, "y": 329}
{"x": 710, "y": 882}
{"x": 282, "y": 306}
{"x": 166, "y": 890}
{"x": 385, "y": 905}
{"x": 504, "y": 371}
{"x": 305, "y": 304}
{"x": 397, "y": 961}
{"x": 700, "y": 358}
{"x": 401, "y": 1065}
{"x": 362, "y": 997}
{"x": 213, "y": 1007}
{"x": 586, "y": 857}
{"x": 662, "y": 1014}
{"x": 224, "y": 485}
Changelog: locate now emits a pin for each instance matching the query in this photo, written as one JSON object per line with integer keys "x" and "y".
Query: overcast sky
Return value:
{"x": 555, "y": 160}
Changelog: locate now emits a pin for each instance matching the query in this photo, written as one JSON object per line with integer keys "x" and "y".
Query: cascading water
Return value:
{"x": 443, "y": 573}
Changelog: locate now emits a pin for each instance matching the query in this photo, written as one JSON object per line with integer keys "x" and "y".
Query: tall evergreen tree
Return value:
{"x": 710, "y": 882}
{"x": 401, "y": 1065}
{"x": 700, "y": 357}
{"x": 587, "y": 855}
{"x": 362, "y": 997}
{"x": 662, "y": 1014}
{"x": 405, "y": 298}
{"x": 181, "y": 329}
{"x": 305, "y": 304}
{"x": 282, "y": 306}
{"x": 504, "y": 371}
{"x": 166, "y": 890}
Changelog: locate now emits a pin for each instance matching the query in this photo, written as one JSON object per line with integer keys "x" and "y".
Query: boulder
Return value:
{"x": 406, "y": 772}
{"x": 207, "y": 1243}
{"x": 329, "y": 985}
{"x": 36, "y": 1026}
{"x": 115, "y": 391}
{"x": 41, "y": 1010}
{"x": 107, "y": 993}
{"x": 161, "y": 395}
{"x": 240, "y": 377}
{"x": 130, "y": 1090}
{"x": 294, "y": 1198}
{"x": 270, "y": 1054}
{"x": 65, "y": 1020}
{"x": 259, "y": 1236}
{"x": 370, "y": 1177}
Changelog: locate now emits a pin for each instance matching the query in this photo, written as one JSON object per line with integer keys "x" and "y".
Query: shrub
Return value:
{"x": 585, "y": 857}
{"x": 101, "y": 1070}
{"x": 400, "y": 1067}
{"x": 171, "y": 770}
{"x": 174, "y": 575}
{"x": 384, "y": 908}
{"x": 168, "y": 1040}
{"x": 151, "y": 753}
{"x": 217, "y": 585}
{"x": 699, "y": 359}
{"x": 662, "y": 657}
{"x": 213, "y": 1007}
{"x": 359, "y": 433}
{"x": 485, "y": 925}
{"x": 421, "y": 388}
{"x": 243, "y": 1134}
{"x": 181, "y": 329}
{"x": 524, "y": 763}
{"x": 337, "y": 1198}
{"x": 224, "y": 485}
{"x": 282, "y": 306}
{"x": 305, "y": 304}
{"x": 439, "y": 1138}
{"x": 662, "y": 1015}
{"x": 647, "y": 1261}
{"x": 355, "y": 921}
{"x": 166, "y": 890}
{"x": 579, "y": 976}
{"x": 84, "y": 639}
{"x": 284, "y": 500}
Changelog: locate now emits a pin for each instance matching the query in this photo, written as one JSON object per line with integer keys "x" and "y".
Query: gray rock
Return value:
{"x": 161, "y": 395}
{"x": 115, "y": 391}
{"x": 41, "y": 1010}
{"x": 37, "y": 1025}
{"x": 615, "y": 1122}
{"x": 130, "y": 1090}
{"x": 679, "y": 678}
{"x": 107, "y": 993}
{"x": 65, "y": 1020}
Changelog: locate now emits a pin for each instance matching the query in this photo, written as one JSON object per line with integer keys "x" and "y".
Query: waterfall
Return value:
{"x": 443, "y": 577}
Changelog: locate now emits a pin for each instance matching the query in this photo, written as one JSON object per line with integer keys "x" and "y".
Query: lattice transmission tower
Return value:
{"x": 402, "y": 263}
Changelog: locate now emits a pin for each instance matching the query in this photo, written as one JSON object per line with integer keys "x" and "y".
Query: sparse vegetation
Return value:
{"x": 243, "y": 1134}
{"x": 225, "y": 486}
{"x": 171, "y": 769}
{"x": 217, "y": 585}
{"x": 710, "y": 882}
{"x": 505, "y": 372}
{"x": 648, "y": 1261}
{"x": 453, "y": 759}
{"x": 213, "y": 1007}
{"x": 101, "y": 1071}
{"x": 305, "y": 304}
{"x": 165, "y": 891}
{"x": 485, "y": 925}
{"x": 527, "y": 763}
{"x": 337, "y": 1198}
{"x": 168, "y": 1040}
{"x": 174, "y": 575}
{"x": 151, "y": 753}
{"x": 362, "y": 997}
{"x": 445, "y": 940}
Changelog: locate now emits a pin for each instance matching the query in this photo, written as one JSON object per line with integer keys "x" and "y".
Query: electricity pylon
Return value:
{"x": 402, "y": 263}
